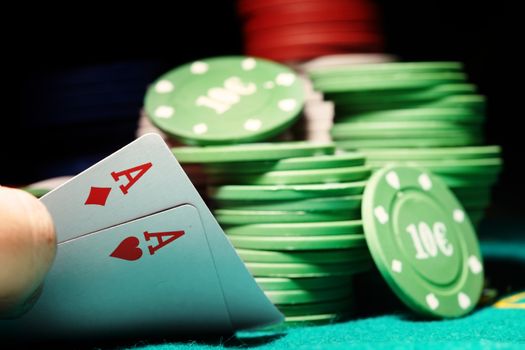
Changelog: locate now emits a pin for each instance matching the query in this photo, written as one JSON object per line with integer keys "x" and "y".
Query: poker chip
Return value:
{"x": 225, "y": 100}
{"x": 251, "y": 152}
{"x": 300, "y": 229}
{"x": 296, "y": 31}
{"x": 283, "y": 283}
{"x": 291, "y": 297}
{"x": 318, "y": 308}
{"x": 299, "y": 163}
{"x": 246, "y": 217}
{"x": 422, "y": 241}
{"x": 455, "y": 140}
{"x": 312, "y": 204}
{"x": 298, "y": 176}
{"x": 284, "y": 192}
{"x": 439, "y": 116}
{"x": 323, "y": 256}
{"x": 423, "y": 154}
{"x": 307, "y": 270}
{"x": 298, "y": 243}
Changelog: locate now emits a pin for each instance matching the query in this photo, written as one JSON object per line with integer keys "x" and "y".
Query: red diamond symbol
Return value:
{"x": 98, "y": 196}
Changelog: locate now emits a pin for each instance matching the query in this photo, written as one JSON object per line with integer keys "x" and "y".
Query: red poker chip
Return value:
{"x": 308, "y": 28}
{"x": 256, "y": 7}
{"x": 341, "y": 38}
{"x": 291, "y": 18}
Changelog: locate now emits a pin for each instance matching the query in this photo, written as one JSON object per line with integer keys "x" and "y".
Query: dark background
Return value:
{"x": 75, "y": 82}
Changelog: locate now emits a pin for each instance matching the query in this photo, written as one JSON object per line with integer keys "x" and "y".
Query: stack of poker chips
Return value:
{"x": 419, "y": 113}
{"x": 318, "y": 114}
{"x": 298, "y": 30}
{"x": 293, "y": 212}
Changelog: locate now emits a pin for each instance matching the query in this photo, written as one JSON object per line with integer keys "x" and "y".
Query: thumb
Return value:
{"x": 27, "y": 250}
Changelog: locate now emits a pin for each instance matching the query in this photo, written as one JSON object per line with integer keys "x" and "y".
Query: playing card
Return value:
{"x": 126, "y": 185}
{"x": 142, "y": 179}
{"x": 154, "y": 274}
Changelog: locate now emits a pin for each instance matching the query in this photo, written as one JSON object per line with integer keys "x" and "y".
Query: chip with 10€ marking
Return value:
{"x": 422, "y": 242}
{"x": 225, "y": 100}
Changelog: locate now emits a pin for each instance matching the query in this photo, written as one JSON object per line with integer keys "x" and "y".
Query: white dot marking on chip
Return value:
{"x": 248, "y": 64}
{"x": 199, "y": 67}
{"x": 252, "y": 124}
{"x": 287, "y": 105}
{"x": 474, "y": 264}
{"x": 397, "y": 266}
{"x": 164, "y": 112}
{"x": 393, "y": 180}
{"x": 200, "y": 129}
{"x": 425, "y": 182}
{"x": 164, "y": 86}
{"x": 432, "y": 301}
{"x": 285, "y": 79}
{"x": 463, "y": 300}
{"x": 381, "y": 214}
{"x": 458, "y": 215}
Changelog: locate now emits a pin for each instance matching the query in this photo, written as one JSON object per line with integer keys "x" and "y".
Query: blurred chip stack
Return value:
{"x": 299, "y": 30}
{"x": 420, "y": 113}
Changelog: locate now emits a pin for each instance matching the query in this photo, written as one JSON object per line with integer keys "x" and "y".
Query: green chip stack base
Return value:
{"x": 415, "y": 113}
{"x": 293, "y": 212}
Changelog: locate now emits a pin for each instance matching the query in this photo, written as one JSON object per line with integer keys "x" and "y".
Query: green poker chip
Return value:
{"x": 383, "y": 69}
{"x": 427, "y": 154}
{"x": 328, "y": 307}
{"x": 422, "y": 241}
{"x": 314, "y": 283}
{"x": 416, "y": 129}
{"x": 37, "y": 192}
{"x": 224, "y": 100}
{"x": 298, "y": 243}
{"x": 246, "y": 217}
{"x": 348, "y": 100}
{"x": 310, "y": 204}
{"x": 453, "y": 140}
{"x": 291, "y": 297}
{"x": 343, "y": 160}
{"x": 291, "y": 177}
{"x": 454, "y": 181}
{"x": 251, "y": 152}
{"x": 285, "y": 192}
{"x": 475, "y": 104}
{"x": 452, "y": 166}
{"x": 431, "y": 115}
{"x": 392, "y": 83}
{"x": 298, "y": 229}
{"x": 312, "y": 256}
{"x": 306, "y": 270}
{"x": 312, "y": 319}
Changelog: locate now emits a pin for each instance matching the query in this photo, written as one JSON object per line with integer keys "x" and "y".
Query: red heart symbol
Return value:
{"x": 128, "y": 249}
